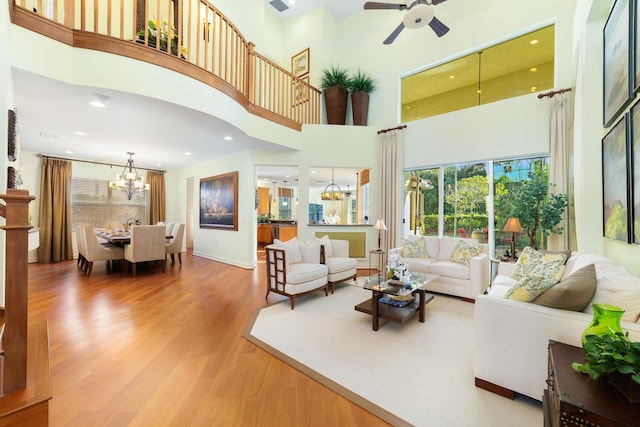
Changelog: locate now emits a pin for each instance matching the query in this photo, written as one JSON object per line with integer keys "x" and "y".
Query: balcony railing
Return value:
{"x": 191, "y": 37}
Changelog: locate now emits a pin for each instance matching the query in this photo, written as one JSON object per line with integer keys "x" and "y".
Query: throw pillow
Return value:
{"x": 572, "y": 293}
{"x": 464, "y": 251}
{"x": 567, "y": 254}
{"x": 414, "y": 248}
{"x": 534, "y": 263}
{"x": 324, "y": 240}
{"x": 528, "y": 288}
{"x": 291, "y": 248}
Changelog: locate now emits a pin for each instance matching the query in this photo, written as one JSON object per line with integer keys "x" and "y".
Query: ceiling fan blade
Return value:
{"x": 377, "y": 5}
{"x": 435, "y": 2}
{"x": 438, "y": 27}
{"x": 394, "y": 34}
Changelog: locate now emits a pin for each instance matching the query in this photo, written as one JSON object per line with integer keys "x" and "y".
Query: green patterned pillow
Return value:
{"x": 534, "y": 263}
{"x": 414, "y": 248}
{"x": 528, "y": 288}
{"x": 464, "y": 251}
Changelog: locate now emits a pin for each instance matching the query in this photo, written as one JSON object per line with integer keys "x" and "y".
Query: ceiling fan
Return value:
{"x": 419, "y": 13}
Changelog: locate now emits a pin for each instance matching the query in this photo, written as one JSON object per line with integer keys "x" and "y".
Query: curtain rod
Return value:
{"x": 390, "y": 129}
{"x": 97, "y": 163}
{"x": 553, "y": 92}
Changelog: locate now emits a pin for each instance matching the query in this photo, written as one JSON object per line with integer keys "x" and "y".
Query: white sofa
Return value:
{"x": 511, "y": 337}
{"x": 454, "y": 278}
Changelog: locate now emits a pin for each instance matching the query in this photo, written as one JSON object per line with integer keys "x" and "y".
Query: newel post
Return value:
{"x": 16, "y": 213}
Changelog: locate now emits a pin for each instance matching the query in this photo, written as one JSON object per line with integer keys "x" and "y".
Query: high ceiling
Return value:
{"x": 50, "y": 127}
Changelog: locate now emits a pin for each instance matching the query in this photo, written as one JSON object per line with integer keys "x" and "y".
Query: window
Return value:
{"x": 516, "y": 67}
{"x": 455, "y": 200}
{"x": 93, "y": 203}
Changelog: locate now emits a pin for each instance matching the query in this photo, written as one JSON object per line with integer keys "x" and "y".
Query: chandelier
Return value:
{"x": 129, "y": 182}
{"x": 332, "y": 191}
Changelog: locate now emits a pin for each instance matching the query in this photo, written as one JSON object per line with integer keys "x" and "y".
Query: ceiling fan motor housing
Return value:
{"x": 418, "y": 16}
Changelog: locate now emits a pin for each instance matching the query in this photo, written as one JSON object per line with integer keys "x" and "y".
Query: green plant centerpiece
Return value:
{"x": 334, "y": 83}
{"x": 607, "y": 354}
{"x": 536, "y": 209}
{"x": 164, "y": 33}
{"x": 360, "y": 85}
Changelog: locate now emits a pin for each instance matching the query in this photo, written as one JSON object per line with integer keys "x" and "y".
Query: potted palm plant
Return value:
{"x": 334, "y": 82}
{"x": 361, "y": 85}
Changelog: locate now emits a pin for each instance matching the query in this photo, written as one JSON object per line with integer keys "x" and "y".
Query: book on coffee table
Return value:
{"x": 397, "y": 301}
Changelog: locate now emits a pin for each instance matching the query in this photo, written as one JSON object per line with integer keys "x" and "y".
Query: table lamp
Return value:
{"x": 379, "y": 226}
{"x": 513, "y": 226}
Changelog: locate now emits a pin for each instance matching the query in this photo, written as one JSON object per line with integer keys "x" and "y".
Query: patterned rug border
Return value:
{"x": 329, "y": 383}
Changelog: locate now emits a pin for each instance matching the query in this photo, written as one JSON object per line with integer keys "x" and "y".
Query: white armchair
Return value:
{"x": 147, "y": 244}
{"x": 335, "y": 254}
{"x": 294, "y": 269}
{"x": 174, "y": 245}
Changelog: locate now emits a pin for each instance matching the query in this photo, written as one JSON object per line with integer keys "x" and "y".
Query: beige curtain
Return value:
{"x": 155, "y": 180}
{"x": 560, "y": 167}
{"x": 55, "y": 211}
{"x": 391, "y": 187}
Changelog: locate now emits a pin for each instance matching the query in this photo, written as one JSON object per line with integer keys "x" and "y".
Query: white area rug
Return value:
{"x": 408, "y": 374}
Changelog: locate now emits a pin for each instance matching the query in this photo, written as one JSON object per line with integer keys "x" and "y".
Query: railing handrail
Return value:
{"x": 200, "y": 44}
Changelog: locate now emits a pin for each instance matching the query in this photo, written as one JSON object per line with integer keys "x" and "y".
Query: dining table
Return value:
{"x": 117, "y": 237}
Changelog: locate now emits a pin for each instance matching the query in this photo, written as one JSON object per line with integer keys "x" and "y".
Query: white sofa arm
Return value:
{"x": 340, "y": 248}
{"x": 511, "y": 338}
{"x": 480, "y": 273}
{"x": 506, "y": 268}
{"x": 397, "y": 251}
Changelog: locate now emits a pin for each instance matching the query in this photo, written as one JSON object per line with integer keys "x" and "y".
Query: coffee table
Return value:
{"x": 395, "y": 291}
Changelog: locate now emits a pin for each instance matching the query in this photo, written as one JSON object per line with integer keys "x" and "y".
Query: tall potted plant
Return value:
{"x": 335, "y": 80}
{"x": 361, "y": 85}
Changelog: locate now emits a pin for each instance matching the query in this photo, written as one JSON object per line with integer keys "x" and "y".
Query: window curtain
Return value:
{"x": 391, "y": 186}
{"x": 560, "y": 167}
{"x": 155, "y": 180}
{"x": 54, "y": 217}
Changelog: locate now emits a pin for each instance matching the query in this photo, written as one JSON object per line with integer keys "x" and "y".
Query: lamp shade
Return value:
{"x": 513, "y": 226}
{"x": 380, "y": 225}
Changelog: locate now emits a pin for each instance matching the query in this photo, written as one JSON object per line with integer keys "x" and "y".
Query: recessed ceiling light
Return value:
{"x": 80, "y": 133}
{"x": 292, "y": 1}
{"x": 533, "y": 69}
{"x": 534, "y": 41}
{"x": 188, "y": 153}
{"x": 533, "y": 89}
{"x": 99, "y": 101}
{"x": 68, "y": 151}
{"x": 314, "y": 171}
{"x": 158, "y": 164}
{"x": 228, "y": 138}
{"x": 451, "y": 77}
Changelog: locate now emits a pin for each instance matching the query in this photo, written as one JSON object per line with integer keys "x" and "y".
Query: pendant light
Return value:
{"x": 332, "y": 191}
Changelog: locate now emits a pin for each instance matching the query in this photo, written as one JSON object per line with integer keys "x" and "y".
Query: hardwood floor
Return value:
{"x": 166, "y": 350}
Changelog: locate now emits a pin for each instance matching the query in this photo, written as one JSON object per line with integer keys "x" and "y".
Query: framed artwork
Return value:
{"x": 300, "y": 91}
{"x": 219, "y": 201}
{"x": 615, "y": 185}
{"x": 300, "y": 63}
{"x": 617, "y": 83}
{"x": 635, "y": 173}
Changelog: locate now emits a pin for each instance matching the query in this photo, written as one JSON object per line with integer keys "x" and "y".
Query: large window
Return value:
{"x": 93, "y": 203}
{"x": 469, "y": 200}
{"x": 516, "y": 67}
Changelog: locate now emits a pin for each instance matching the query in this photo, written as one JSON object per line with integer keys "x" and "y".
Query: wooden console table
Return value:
{"x": 574, "y": 399}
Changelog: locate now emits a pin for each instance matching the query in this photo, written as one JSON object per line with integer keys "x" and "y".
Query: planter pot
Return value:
{"x": 360, "y": 108}
{"x": 335, "y": 101}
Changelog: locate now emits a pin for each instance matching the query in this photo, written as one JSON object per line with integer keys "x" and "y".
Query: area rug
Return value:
{"x": 407, "y": 374}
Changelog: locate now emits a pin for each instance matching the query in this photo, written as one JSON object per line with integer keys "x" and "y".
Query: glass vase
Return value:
{"x": 606, "y": 320}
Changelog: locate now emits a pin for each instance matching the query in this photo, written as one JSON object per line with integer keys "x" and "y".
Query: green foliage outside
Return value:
{"x": 470, "y": 197}
{"x": 537, "y": 211}
{"x": 606, "y": 354}
{"x": 430, "y": 222}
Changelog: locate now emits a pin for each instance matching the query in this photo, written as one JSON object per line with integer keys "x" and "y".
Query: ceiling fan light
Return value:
{"x": 418, "y": 16}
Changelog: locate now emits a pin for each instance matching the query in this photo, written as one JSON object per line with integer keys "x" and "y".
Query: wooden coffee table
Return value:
{"x": 377, "y": 309}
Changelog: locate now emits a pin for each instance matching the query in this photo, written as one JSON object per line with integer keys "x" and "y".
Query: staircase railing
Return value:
{"x": 188, "y": 36}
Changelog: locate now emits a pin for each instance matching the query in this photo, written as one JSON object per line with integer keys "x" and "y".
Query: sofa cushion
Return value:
{"x": 533, "y": 263}
{"x": 310, "y": 251}
{"x": 414, "y": 248}
{"x": 572, "y": 293}
{"x": 529, "y": 287}
{"x": 291, "y": 248}
{"x": 620, "y": 289}
{"x": 324, "y": 240}
{"x": 464, "y": 251}
{"x": 448, "y": 245}
{"x": 338, "y": 264}
{"x": 449, "y": 269}
{"x": 419, "y": 265}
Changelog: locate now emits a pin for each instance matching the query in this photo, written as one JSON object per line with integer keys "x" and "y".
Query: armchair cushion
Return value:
{"x": 292, "y": 250}
{"x": 324, "y": 240}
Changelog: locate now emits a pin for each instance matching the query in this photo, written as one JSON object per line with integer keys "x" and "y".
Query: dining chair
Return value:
{"x": 97, "y": 252}
{"x": 147, "y": 244}
{"x": 174, "y": 245}
{"x": 82, "y": 246}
